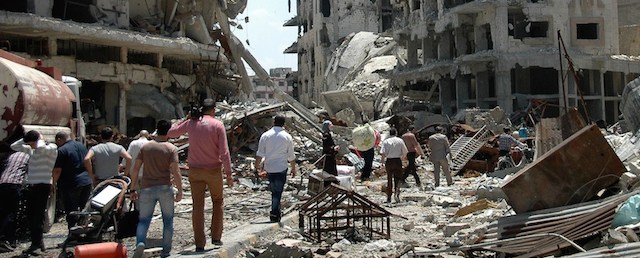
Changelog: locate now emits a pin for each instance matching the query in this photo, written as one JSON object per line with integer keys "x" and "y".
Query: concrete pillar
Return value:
{"x": 460, "y": 41}
{"x": 427, "y": 50}
{"x": 444, "y": 46}
{"x": 603, "y": 105}
{"x": 446, "y": 86}
{"x": 412, "y": 53}
{"x": 499, "y": 30}
{"x": 462, "y": 90}
{"x": 479, "y": 36}
{"x": 503, "y": 90}
{"x": 124, "y": 55}
{"x": 122, "y": 109}
{"x": 52, "y": 46}
{"x": 159, "y": 60}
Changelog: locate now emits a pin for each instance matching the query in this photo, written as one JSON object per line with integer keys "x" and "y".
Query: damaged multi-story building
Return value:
{"x": 508, "y": 53}
{"x": 139, "y": 60}
{"x": 323, "y": 24}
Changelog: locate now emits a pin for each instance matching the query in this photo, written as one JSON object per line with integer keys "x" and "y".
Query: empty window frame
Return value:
{"x": 587, "y": 31}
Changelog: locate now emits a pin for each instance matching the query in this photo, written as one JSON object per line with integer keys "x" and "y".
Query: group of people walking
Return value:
{"x": 152, "y": 165}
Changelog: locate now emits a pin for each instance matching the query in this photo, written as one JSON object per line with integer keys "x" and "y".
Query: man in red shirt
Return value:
{"x": 415, "y": 150}
{"x": 208, "y": 155}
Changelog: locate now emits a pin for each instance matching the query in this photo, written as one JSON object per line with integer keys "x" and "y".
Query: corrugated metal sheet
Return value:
{"x": 573, "y": 222}
{"x": 619, "y": 250}
{"x": 31, "y": 97}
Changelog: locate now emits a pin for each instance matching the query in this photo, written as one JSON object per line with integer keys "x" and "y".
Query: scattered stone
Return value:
{"x": 490, "y": 193}
{"x": 452, "y": 228}
{"x": 408, "y": 226}
{"x": 627, "y": 180}
{"x": 289, "y": 242}
{"x": 276, "y": 251}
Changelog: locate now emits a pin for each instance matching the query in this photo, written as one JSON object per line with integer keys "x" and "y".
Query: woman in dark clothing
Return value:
{"x": 329, "y": 149}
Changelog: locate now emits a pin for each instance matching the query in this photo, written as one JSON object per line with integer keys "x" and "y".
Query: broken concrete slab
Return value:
{"x": 476, "y": 206}
{"x": 570, "y": 173}
{"x": 452, "y": 228}
{"x": 275, "y": 251}
{"x": 338, "y": 100}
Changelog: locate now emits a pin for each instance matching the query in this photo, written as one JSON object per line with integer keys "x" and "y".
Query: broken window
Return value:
{"x": 520, "y": 27}
{"x": 587, "y": 31}
{"x": 416, "y": 5}
{"x": 325, "y": 8}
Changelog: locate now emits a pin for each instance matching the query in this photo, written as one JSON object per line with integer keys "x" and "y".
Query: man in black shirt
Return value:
{"x": 71, "y": 176}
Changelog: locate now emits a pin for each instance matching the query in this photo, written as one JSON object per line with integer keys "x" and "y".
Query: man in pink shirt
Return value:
{"x": 208, "y": 155}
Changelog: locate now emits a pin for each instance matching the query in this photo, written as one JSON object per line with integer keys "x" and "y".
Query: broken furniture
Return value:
{"x": 572, "y": 172}
{"x": 336, "y": 210}
{"x": 463, "y": 149}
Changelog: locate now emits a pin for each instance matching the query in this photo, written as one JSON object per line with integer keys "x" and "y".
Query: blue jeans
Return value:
{"x": 147, "y": 198}
{"x": 276, "y": 184}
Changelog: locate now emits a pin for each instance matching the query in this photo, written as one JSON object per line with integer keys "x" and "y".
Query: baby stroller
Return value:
{"x": 98, "y": 221}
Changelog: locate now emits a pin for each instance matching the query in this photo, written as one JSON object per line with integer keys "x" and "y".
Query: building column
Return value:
{"x": 603, "y": 106}
{"x": 500, "y": 32}
{"x": 122, "y": 108}
{"x": 462, "y": 90}
{"x": 503, "y": 90}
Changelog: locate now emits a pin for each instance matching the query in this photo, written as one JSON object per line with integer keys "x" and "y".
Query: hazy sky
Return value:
{"x": 265, "y": 33}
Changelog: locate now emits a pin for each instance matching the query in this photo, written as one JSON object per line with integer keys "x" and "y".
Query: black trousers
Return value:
{"x": 75, "y": 200}
{"x": 368, "y": 156}
{"x": 394, "y": 175}
{"x": 411, "y": 168}
{"x": 330, "y": 164}
{"x": 37, "y": 197}
{"x": 10, "y": 198}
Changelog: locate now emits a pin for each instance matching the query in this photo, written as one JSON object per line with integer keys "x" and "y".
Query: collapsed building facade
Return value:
{"x": 170, "y": 52}
{"x": 463, "y": 54}
{"x": 322, "y": 25}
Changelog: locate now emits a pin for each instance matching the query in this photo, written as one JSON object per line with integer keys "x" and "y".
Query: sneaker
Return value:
{"x": 139, "y": 251}
{"x": 216, "y": 242}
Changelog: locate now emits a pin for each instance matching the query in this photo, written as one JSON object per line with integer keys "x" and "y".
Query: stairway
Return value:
{"x": 463, "y": 149}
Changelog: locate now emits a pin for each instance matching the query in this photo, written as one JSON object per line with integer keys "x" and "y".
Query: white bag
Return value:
{"x": 364, "y": 137}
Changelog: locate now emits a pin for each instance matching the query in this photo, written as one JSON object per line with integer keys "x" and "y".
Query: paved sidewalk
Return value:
{"x": 238, "y": 239}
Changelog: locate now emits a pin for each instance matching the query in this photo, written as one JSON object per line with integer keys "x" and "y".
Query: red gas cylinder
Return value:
{"x": 101, "y": 250}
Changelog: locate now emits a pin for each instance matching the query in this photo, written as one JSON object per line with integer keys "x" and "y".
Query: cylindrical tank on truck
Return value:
{"x": 36, "y": 98}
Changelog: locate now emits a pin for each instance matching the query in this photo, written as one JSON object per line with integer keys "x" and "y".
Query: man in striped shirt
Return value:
{"x": 43, "y": 157}
{"x": 14, "y": 170}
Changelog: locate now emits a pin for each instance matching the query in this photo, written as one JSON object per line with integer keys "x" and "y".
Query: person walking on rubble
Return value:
{"x": 208, "y": 155}
{"x": 135, "y": 145}
{"x": 439, "y": 146}
{"x": 276, "y": 149}
{"x": 71, "y": 176}
{"x": 102, "y": 161}
{"x": 393, "y": 151}
{"x": 329, "y": 148}
{"x": 160, "y": 160}
{"x": 14, "y": 169}
{"x": 43, "y": 157}
{"x": 414, "y": 150}
{"x": 368, "y": 155}
{"x": 506, "y": 141}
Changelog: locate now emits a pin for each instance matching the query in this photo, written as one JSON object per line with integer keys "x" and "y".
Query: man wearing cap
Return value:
{"x": 276, "y": 148}
{"x": 208, "y": 156}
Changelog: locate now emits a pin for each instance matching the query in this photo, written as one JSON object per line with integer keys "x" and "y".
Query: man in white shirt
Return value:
{"x": 134, "y": 148}
{"x": 393, "y": 151}
{"x": 276, "y": 148}
{"x": 39, "y": 181}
